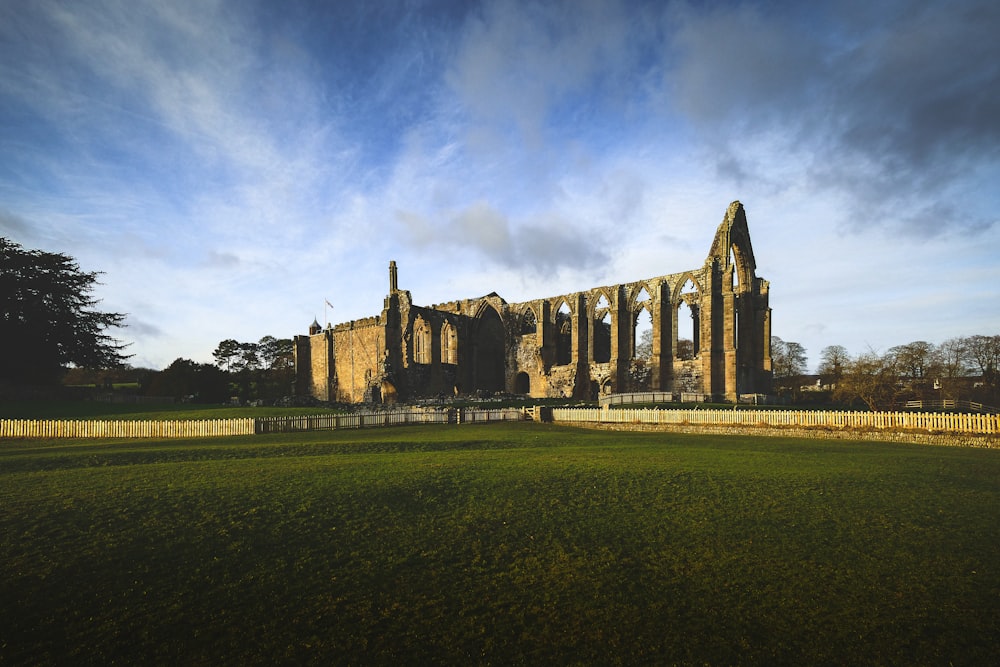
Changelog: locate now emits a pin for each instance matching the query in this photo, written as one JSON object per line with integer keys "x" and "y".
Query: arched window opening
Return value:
{"x": 449, "y": 344}
{"x": 564, "y": 335}
{"x": 642, "y": 297}
{"x": 687, "y": 322}
{"x": 602, "y": 330}
{"x": 489, "y": 353}
{"x": 421, "y": 341}
{"x": 736, "y": 273}
{"x": 529, "y": 324}
{"x": 522, "y": 384}
{"x": 642, "y": 335}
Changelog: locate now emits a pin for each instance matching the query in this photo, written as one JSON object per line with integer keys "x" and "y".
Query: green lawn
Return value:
{"x": 498, "y": 544}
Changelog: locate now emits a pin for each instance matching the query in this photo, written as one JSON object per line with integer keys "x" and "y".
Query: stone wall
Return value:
{"x": 906, "y": 437}
{"x": 688, "y": 376}
{"x": 359, "y": 352}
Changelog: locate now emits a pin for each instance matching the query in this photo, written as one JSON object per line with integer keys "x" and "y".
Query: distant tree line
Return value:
{"x": 261, "y": 371}
{"x": 962, "y": 368}
{"x": 247, "y": 372}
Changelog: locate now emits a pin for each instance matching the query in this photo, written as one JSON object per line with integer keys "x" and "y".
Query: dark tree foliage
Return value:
{"x": 263, "y": 370}
{"x": 47, "y": 317}
{"x": 190, "y": 381}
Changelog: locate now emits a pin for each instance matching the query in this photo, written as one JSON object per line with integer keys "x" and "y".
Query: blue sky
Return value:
{"x": 230, "y": 165}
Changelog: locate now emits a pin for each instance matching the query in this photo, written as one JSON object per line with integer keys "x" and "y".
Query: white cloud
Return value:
{"x": 230, "y": 166}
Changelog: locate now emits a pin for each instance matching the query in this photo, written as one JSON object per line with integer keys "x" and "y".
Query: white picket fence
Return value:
{"x": 204, "y": 428}
{"x": 920, "y": 421}
{"x": 57, "y": 428}
{"x": 924, "y": 421}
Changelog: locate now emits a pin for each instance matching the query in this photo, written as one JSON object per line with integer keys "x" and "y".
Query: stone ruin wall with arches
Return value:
{"x": 577, "y": 345}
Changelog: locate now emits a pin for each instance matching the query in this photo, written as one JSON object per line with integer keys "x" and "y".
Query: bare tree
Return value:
{"x": 915, "y": 361}
{"x": 950, "y": 360}
{"x": 832, "y": 360}
{"x": 788, "y": 359}
{"x": 644, "y": 348}
{"x": 872, "y": 378}
{"x": 984, "y": 352}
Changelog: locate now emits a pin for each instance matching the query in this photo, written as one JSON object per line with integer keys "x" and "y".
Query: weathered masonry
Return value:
{"x": 576, "y": 345}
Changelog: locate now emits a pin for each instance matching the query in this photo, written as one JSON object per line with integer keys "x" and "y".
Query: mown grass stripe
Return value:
{"x": 498, "y": 544}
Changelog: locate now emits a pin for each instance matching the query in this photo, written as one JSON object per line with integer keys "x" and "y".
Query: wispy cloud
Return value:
{"x": 541, "y": 246}
{"x": 231, "y": 164}
{"x": 889, "y": 109}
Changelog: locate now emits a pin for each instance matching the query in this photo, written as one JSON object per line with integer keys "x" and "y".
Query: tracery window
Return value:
{"x": 529, "y": 324}
{"x": 421, "y": 342}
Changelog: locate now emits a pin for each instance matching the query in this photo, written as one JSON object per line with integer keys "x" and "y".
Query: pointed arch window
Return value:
{"x": 421, "y": 341}
{"x": 564, "y": 335}
{"x": 642, "y": 325}
{"x": 529, "y": 324}
{"x": 687, "y": 342}
{"x": 602, "y": 330}
{"x": 449, "y": 344}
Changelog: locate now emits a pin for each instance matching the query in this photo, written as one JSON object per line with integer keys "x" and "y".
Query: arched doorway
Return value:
{"x": 522, "y": 384}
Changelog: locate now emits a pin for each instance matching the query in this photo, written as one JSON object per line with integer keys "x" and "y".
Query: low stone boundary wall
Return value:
{"x": 905, "y": 437}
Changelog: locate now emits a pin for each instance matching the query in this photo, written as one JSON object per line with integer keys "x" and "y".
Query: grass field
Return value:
{"x": 498, "y": 544}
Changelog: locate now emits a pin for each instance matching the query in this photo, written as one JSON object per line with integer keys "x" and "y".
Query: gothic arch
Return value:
{"x": 491, "y": 301}
{"x": 528, "y": 321}
{"x": 675, "y": 299}
{"x": 595, "y": 297}
{"x": 563, "y": 322}
{"x": 732, "y": 245}
{"x": 421, "y": 341}
{"x": 489, "y": 351}
{"x": 602, "y": 325}
{"x": 449, "y": 344}
{"x": 635, "y": 292}
{"x": 559, "y": 302}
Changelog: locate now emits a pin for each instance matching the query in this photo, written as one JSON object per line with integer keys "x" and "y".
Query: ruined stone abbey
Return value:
{"x": 579, "y": 345}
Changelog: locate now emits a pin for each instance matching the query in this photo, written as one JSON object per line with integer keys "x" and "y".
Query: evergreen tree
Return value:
{"x": 47, "y": 317}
